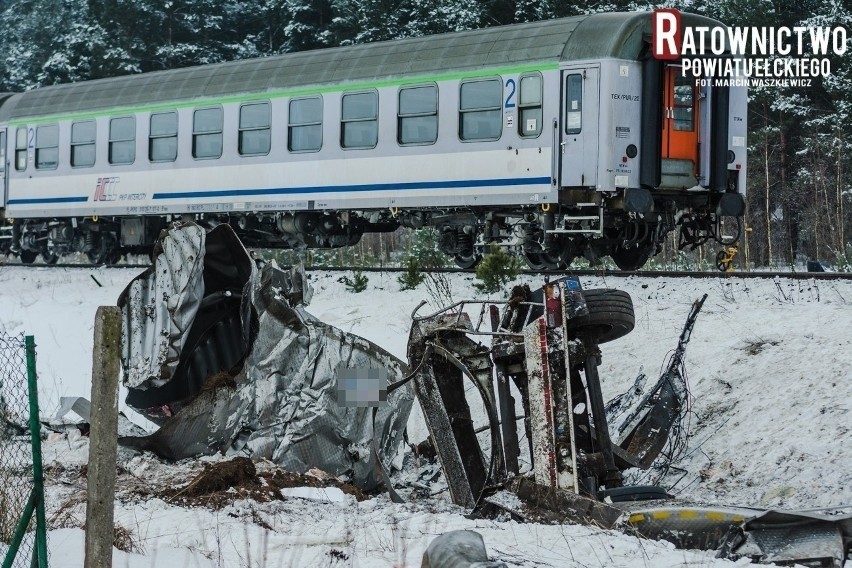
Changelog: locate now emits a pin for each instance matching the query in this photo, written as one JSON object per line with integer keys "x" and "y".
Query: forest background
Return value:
{"x": 799, "y": 194}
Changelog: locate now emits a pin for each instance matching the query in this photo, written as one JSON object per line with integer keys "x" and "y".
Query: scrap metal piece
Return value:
{"x": 159, "y": 307}
{"x": 276, "y": 396}
{"x": 184, "y": 320}
{"x": 800, "y": 537}
{"x": 542, "y": 403}
{"x": 684, "y": 525}
{"x": 645, "y": 432}
{"x": 443, "y": 356}
{"x": 458, "y": 549}
{"x": 545, "y": 503}
{"x": 805, "y": 538}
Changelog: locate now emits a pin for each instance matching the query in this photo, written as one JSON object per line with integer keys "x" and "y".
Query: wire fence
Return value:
{"x": 23, "y": 539}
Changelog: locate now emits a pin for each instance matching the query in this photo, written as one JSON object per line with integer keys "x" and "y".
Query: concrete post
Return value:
{"x": 103, "y": 436}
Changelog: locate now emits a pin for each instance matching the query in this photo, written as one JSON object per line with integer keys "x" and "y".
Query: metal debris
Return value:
{"x": 458, "y": 549}
{"x": 258, "y": 374}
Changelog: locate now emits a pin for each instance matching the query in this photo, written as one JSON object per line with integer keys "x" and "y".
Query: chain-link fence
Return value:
{"x": 23, "y": 539}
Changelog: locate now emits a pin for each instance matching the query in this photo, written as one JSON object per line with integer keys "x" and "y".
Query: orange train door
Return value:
{"x": 680, "y": 119}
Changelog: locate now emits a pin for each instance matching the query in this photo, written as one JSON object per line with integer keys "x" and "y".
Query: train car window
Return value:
{"x": 207, "y": 133}
{"x": 83, "y": 144}
{"x": 529, "y": 106}
{"x": 47, "y": 147}
{"x": 417, "y": 120}
{"x": 21, "y": 148}
{"x": 254, "y": 137}
{"x": 122, "y": 140}
{"x": 480, "y": 111}
{"x": 573, "y": 104}
{"x": 359, "y": 123}
{"x": 304, "y": 130}
{"x": 684, "y": 101}
{"x": 2, "y": 150}
{"x": 162, "y": 137}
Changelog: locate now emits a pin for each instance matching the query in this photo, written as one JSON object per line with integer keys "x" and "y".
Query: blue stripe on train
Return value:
{"x": 460, "y": 184}
{"x": 37, "y": 201}
{"x": 365, "y": 187}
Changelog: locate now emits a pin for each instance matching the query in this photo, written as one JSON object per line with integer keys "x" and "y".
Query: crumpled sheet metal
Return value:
{"x": 283, "y": 405}
{"x": 159, "y": 307}
{"x": 764, "y": 536}
{"x": 786, "y": 537}
{"x": 289, "y": 410}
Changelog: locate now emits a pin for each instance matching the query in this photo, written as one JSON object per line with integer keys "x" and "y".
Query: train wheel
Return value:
{"x": 534, "y": 261}
{"x": 105, "y": 251}
{"x": 49, "y": 257}
{"x": 558, "y": 261}
{"x": 630, "y": 259}
{"x": 467, "y": 261}
{"x": 28, "y": 256}
{"x": 722, "y": 262}
{"x": 559, "y": 256}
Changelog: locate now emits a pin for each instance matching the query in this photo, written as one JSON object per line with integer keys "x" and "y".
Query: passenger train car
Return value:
{"x": 558, "y": 139}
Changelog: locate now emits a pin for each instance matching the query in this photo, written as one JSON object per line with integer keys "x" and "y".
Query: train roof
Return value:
{"x": 514, "y": 47}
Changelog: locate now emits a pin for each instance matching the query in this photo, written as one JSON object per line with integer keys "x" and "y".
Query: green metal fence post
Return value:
{"x": 38, "y": 472}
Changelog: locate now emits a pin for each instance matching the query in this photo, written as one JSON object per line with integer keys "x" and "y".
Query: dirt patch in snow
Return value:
{"x": 222, "y": 483}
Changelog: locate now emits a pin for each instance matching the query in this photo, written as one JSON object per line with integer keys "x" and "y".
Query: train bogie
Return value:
{"x": 554, "y": 139}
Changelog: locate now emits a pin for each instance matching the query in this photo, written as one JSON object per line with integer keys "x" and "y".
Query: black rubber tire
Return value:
{"x": 634, "y": 493}
{"x": 610, "y": 315}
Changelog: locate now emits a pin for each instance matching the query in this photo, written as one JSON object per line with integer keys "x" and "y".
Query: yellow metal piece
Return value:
{"x": 636, "y": 518}
{"x": 545, "y": 207}
{"x": 661, "y": 515}
{"x": 688, "y": 515}
{"x": 715, "y": 516}
{"x": 94, "y": 218}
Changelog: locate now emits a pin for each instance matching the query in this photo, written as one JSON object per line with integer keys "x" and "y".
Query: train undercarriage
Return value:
{"x": 548, "y": 236}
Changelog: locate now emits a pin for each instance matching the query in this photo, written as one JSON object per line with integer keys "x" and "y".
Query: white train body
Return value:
{"x": 544, "y": 136}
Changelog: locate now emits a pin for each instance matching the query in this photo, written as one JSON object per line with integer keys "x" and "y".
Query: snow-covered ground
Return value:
{"x": 770, "y": 367}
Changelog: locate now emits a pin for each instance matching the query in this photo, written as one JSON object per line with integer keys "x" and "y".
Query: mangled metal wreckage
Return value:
{"x": 225, "y": 358}
{"x": 545, "y": 347}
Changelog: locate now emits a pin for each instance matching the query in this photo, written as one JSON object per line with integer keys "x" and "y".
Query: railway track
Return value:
{"x": 611, "y": 273}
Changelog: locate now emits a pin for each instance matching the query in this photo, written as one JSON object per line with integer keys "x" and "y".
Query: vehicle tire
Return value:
{"x": 634, "y": 493}
{"x": 610, "y": 315}
{"x": 28, "y": 256}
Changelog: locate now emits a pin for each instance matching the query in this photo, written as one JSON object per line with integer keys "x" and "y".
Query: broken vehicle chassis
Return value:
{"x": 547, "y": 343}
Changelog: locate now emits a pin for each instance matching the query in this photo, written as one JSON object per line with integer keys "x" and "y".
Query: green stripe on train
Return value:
{"x": 287, "y": 93}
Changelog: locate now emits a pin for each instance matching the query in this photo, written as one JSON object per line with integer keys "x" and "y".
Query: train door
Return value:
{"x": 680, "y": 121}
{"x": 579, "y": 130}
{"x": 3, "y": 185}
